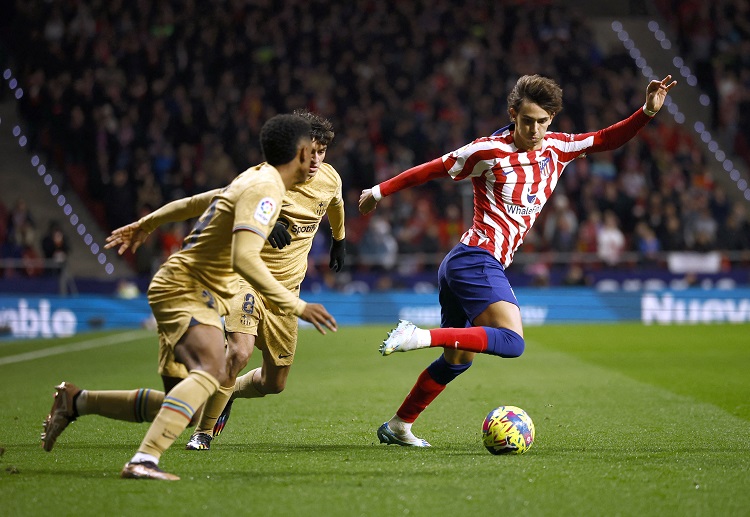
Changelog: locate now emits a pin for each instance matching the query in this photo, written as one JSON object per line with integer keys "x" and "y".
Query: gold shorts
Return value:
{"x": 251, "y": 313}
{"x": 178, "y": 301}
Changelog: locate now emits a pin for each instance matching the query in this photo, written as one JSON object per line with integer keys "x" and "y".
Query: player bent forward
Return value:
{"x": 189, "y": 293}
{"x": 254, "y": 321}
{"x": 513, "y": 173}
{"x": 250, "y": 313}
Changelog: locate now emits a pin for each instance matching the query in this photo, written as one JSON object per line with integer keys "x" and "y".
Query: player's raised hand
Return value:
{"x": 130, "y": 236}
{"x": 316, "y": 314}
{"x": 656, "y": 93}
{"x": 367, "y": 202}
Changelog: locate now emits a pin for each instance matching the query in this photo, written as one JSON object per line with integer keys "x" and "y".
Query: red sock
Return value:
{"x": 471, "y": 339}
{"x": 421, "y": 395}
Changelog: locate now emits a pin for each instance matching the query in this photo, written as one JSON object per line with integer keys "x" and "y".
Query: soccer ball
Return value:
{"x": 508, "y": 430}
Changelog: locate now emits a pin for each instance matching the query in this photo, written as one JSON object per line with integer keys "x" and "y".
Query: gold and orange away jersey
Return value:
{"x": 250, "y": 203}
{"x": 303, "y": 206}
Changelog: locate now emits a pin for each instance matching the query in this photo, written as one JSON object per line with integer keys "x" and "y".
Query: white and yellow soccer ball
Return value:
{"x": 508, "y": 430}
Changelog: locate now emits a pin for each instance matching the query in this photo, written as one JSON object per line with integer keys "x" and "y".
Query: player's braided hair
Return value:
{"x": 322, "y": 129}
{"x": 280, "y": 138}
{"x": 540, "y": 90}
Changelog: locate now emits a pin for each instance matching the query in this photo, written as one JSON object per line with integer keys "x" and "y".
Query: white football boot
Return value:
{"x": 399, "y": 435}
{"x": 406, "y": 336}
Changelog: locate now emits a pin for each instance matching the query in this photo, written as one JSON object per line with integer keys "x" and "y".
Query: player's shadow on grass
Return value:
{"x": 79, "y": 447}
{"x": 370, "y": 447}
{"x": 285, "y": 448}
{"x": 90, "y": 473}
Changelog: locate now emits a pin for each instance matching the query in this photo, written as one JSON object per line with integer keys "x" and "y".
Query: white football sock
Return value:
{"x": 397, "y": 425}
{"x": 141, "y": 457}
{"x": 423, "y": 337}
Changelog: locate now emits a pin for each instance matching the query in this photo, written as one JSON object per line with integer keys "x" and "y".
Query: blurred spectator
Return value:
{"x": 704, "y": 230}
{"x": 647, "y": 244}
{"x": 672, "y": 237}
{"x": 21, "y": 228}
{"x": 451, "y": 227}
{"x": 589, "y": 233}
{"x": 720, "y": 205}
{"x": 575, "y": 276}
{"x": 171, "y": 237}
{"x": 610, "y": 241}
{"x": 561, "y": 224}
{"x": 734, "y": 234}
{"x": 120, "y": 206}
{"x": 21, "y": 241}
{"x": 3, "y": 225}
{"x": 378, "y": 247}
{"x": 614, "y": 200}
{"x": 218, "y": 165}
{"x": 141, "y": 103}
{"x": 412, "y": 235}
{"x": 55, "y": 246}
{"x": 603, "y": 166}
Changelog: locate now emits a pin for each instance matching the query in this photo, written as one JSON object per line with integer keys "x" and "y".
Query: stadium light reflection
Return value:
{"x": 48, "y": 180}
{"x": 684, "y": 70}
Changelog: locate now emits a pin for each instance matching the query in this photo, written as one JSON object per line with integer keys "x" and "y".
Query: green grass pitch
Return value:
{"x": 630, "y": 420}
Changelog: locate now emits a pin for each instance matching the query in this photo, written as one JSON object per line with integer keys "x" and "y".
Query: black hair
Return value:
{"x": 322, "y": 129}
{"x": 280, "y": 138}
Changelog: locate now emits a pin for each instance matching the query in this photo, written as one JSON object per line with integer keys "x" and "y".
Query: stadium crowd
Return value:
{"x": 715, "y": 38}
{"x": 143, "y": 102}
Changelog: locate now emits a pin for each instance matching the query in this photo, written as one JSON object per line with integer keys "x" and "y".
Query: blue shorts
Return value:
{"x": 470, "y": 279}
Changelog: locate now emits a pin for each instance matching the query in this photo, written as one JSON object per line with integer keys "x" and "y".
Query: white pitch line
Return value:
{"x": 73, "y": 347}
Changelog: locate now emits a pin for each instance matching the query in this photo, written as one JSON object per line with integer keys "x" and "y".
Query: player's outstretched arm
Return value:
{"x": 619, "y": 133}
{"x": 316, "y": 314}
{"x": 409, "y": 178}
{"x": 656, "y": 94}
{"x": 135, "y": 234}
{"x": 130, "y": 236}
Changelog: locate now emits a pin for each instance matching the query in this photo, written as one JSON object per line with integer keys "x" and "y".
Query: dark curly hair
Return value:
{"x": 322, "y": 129}
{"x": 280, "y": 138}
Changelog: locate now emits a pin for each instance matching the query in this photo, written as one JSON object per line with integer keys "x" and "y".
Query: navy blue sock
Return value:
{"x": 443, "y": 372}
{"x": 504, "y": 342}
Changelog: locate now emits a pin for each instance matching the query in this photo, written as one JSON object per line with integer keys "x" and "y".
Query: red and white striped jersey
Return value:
{"x": 512, "y": 187}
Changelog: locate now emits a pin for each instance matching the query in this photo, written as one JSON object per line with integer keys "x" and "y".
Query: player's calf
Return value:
{"x": 502, "y": 342}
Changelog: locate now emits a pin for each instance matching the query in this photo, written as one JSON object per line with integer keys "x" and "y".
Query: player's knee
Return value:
{"x": 274, "y": 387}
{"x": 237, "y": 360}
{"x": 504, "y": 342}
{"x": 514, "y": 344}
{"x": 239, "y": 349}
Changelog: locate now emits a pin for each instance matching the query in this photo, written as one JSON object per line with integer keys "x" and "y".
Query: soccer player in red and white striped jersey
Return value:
{"x": 513, "y": 173}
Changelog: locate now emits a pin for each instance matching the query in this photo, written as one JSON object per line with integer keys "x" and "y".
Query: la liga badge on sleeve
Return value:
{"x": 265, "y": 210}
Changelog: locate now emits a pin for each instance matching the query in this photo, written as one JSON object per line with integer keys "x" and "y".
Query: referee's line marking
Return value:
{"x": 73, "y": 347}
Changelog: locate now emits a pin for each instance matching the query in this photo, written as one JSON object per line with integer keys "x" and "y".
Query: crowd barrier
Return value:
{"x": 36, "y": 316}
